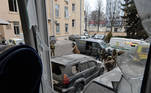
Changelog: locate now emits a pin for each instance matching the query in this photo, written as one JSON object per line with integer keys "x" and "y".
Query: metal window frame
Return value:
{"x": 33, "y": 14}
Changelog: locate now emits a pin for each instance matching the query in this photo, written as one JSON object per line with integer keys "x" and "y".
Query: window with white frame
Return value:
{"x": 73, "y": 7}
{"x": 57, "y": 27}
{"x": 66, "y": 27}
{"x": 16, "y": 28}
{"x": 57, "y": 10}
{"x": 12, "y": 5}
{"x": 66, "y": 12}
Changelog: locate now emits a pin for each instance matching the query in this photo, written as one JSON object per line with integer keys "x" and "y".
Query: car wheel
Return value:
{"x": 79, "y": 88}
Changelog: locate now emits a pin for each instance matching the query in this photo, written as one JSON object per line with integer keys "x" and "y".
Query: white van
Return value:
{"x": 125, "y": 44}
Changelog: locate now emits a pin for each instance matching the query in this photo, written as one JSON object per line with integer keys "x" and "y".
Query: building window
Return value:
{"x": 16, "y": 28}
{"x": 57, "y": 10}
{"x": 66, "y": 13}
{"x": 66, "y": 27}
{"x": 12, "y": 5}
{"x": 115, "y": 29}
{"x": 57, "y": 27}
{"x": 67, "y": 1}
{"x": 73, "y": 23}
{"x": 73, "y": 7}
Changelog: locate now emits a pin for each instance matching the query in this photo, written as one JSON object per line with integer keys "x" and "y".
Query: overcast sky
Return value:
{"x": 93, "y": 3}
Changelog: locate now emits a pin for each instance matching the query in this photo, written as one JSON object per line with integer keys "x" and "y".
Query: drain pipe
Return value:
{"x": 80, "y": 16}
{"x": 52, "y": 15}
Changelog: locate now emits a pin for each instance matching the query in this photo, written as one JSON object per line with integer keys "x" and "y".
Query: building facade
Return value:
{"x": 10, "y": 24}
{"x": 65, "y": 17}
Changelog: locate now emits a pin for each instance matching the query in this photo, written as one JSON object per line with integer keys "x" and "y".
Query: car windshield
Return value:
{"x": 132, "y": 66}
{"x": 104, "y": 45}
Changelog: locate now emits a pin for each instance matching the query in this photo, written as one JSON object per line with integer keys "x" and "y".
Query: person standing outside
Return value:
{"x": 75, "y": 48}
{"x": 52, "y": 47}
{"x": 103, "y": 55}
{"x": 114, "y": 57}
{"x": 114, "y": 54}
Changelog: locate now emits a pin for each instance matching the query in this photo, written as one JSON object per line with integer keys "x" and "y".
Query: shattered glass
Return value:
{"x": 143, "y": 8}
{"x": 132, "y": 70}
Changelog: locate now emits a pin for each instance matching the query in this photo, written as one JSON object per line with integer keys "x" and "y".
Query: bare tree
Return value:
{"x": 99, "y": 9}
{"x": 87, "y": 11}
{"x": 113, "y": 12}
{"x": 94, "y": 17}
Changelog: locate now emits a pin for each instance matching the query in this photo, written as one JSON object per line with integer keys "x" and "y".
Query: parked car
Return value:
{"x": 101, "y": 37}
{"x": 90, "y": 46}
{"x": 84, "y": 37}
{"x": 72, "y": 72}
{"x": 15, "y": 41}
{"x": 86, "y": 33}
{"x": 125, "y": 44}
{"x": 74, "y": 37}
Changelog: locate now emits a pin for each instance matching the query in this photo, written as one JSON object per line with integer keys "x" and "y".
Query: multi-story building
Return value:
{"x": 65, "y": 17}
{"x": 10, "y": 24}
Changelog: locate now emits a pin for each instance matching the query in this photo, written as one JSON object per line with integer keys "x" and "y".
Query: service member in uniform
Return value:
{"x": 52, "y": 47}
{"x": 75, "y": 49}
